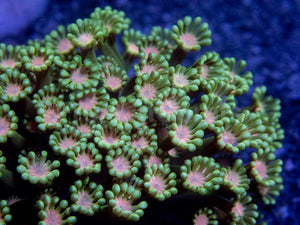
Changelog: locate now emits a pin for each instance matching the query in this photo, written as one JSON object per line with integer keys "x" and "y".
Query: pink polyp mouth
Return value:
{"x": 51, "y": 116}
{"x": 13, "y": 89}
{"x": 4, "y": 126}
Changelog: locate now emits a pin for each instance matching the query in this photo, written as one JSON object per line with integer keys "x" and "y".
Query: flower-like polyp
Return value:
{"x": 9, "y": 57}
{"x": 169, "y": 101}
{"x": 35, "y": 167}
{"x": 130, "y": 39}
{"x": 87, "y": 197}
{"x": 86, "y": 34}
{"x": 84, "y": 125}
{"x": 8, "y": 123}
{"x": 244, "y": 211}
{"x": 241, "y": 82}
{"x": 113, "y": 20}
{"x": 65, "y": 139}
{"x": 89, "y": 102}
{"x": 201, "y": 175}
{"x": 152, "y": 63}
{"x": 187, "y": 129}
{"x": 236, "y": 178}
{"x": 14, "y": 86}
{"x": 153, "y": 44}
{"x": 58, "y": 41}
{"x": 78, "y": 76}
{"x": 184, "y": 78}
{"x": 47, "y": 92}
{"x": 213, "y": 110}
{"x": 210, "y": 66}
{"x": 268, "y": 193}
{"x": 123, "y": 200}
{"x": 255, "y": 127}
{"x": 5, "y": 216}
{"x": 53, "y": 211}
{"x": 109, "y": 137}
{"x": 122, "y": 162}
{"x": 205, "y": 216}
{"x": 265, "y": 168}
{"x": 85, "y": 159}
{"x": 189, "y": 34}
{"x": 222, "y": 89}
{"x": 233, "y": 135}
{"x": 160, "y": 182}
{"x": 37, "y": 58}
{"x": 113, "y": 78}
{"x": 126, "y": 113}
{"x": 52, "y": 114}
{"x": 148, "y": 85}
{"x": 144, "y": 141}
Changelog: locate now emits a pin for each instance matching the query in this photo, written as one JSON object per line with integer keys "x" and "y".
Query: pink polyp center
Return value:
{"x": 88, "y": 102}
{"x": 66, "y": 143}
{"x": 154, "y": 160}
{"x": 262, "y": 190}
{"x": 157, "y": 183}
{"x": 85, "y": 38}
{"x": 150, "y": 49}
{"x": 148, "y": 69}
{"x": 13, "y": 89}
{"x": 140, "y": 143}
{"x": 204, "y": 73}
{"x": 109, "y": 138}
{"x": 4, "y": 126}
{"x": 53, "y": 217}
{"x": 238, "y": 208}
{"x": 120, "y": 164}
{"x": 85, "y": 161}
{"x": 124, "y": 112}
{"x": 38, "y": 169}
{"x": 180, "y": 80}
{"x": 210, "y": 118}
{"x": 124, "y": 204}
{"x": 182, "y": 134}
{"x": 78, "y": 77}
{"x": 51, "y": 116}
{"x": 38, "y": 61}
{"x": 133, "y": 48}
{"x": 228, "y": 138}
{"x": 261, "y": 168}
{"x": 148, "y": 91}
{"x": 168, "y": 107}
{"x": 201, "y": 219}
{"x": 102, "y": 113}
{"x": 8, "y": 63}
{"x": 84, "y": 200}
{"x": 113, "y": 82}
{"x": 196, "y": 179}
{"x": 189, "y": 40}
{"x": 233, "y": 177}
{"x": 64, "y": 45}
{"x": 84, "y": 129}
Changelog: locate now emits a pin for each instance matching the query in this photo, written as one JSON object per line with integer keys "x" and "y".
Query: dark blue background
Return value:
{"x": 265, "y": 33}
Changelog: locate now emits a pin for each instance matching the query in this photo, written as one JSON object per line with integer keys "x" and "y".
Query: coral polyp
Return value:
{"x": 99, "y": 131}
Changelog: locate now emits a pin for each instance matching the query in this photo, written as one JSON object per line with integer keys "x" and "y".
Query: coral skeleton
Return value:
{"x": 102, "y": 124}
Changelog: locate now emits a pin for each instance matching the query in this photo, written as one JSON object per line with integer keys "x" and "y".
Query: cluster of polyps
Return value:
{"x": 112, "y": 133}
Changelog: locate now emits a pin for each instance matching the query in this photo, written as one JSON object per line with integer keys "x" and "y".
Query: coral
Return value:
{"x": 100, "y": 123}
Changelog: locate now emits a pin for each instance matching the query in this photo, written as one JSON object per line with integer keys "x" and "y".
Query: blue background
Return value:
{"x": 265, "y": 33}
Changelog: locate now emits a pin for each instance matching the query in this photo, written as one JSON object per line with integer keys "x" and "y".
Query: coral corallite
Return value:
{"x": 91, "y": 134}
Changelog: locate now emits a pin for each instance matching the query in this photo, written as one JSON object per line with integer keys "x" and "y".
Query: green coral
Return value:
{"x": 132, "y": 128}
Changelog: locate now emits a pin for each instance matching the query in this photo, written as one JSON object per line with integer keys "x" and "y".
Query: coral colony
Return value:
{"x": 90, "y": 134}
